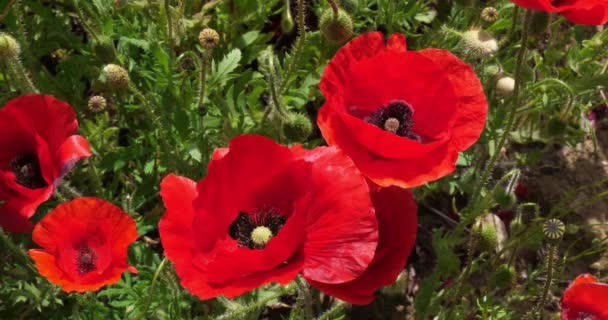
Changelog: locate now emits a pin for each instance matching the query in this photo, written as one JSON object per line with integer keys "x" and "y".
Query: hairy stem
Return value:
{"x": 22, "y": 81}
{"x": 304, "y": 294}
{"x": 511, "y": 113}
{"x": 334, "y": 6}
{"x": 159, "y": 269}
{"x": 299, "y": 48}
{"x": 84, "y": 22}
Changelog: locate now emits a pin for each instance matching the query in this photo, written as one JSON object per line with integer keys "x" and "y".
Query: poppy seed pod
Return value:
{"x": 479, "y": 43}
{"x": 554, "y": 229}
{"x": 9, "y": 48}
{"x": 297, "y": 128}
{"x": 489, "y": 14}
{"x": 209, "y": 38}
{"x": 97, "y": 103}
{"x": 116, "y": 76}
{"x": 505, "y": 86}
{"x": 336, "y": 28}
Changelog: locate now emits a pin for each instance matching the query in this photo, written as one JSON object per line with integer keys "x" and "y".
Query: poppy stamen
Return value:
{"x": 255, "y": 231}
{"x": 26, "y": 168}
{"x": 397, "y": 118}
{"x": 86, "y": 260}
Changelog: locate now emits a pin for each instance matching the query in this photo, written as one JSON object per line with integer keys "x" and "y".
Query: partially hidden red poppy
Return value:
{"x": 398, "y": 222}
{"x": 589, "y": 12}
{"x": 585, "y": 298}
{"x": 84, "y": 244}
{"x": 402, "y": 116}
{"x": 39, "y": 146}
{"x": 265, "y": 213}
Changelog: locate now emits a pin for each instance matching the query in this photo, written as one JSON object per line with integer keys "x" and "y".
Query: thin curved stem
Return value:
{"x": 511, "y": 115}
{"x": 334, "y": 6}
{"x": 299, "y": 48}
{"x": 159, "y": 269}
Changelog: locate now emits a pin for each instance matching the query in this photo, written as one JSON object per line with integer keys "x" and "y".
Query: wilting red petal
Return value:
{"x": 84, "y": 226}
{"x": 585, "y": 297}
{"x": 397, "y": 218}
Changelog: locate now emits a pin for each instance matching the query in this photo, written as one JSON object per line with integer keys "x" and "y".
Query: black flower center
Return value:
{"x": 26, "y": 168}
{"x": 396, "y": 117}
{"x": 255, "y": 230}
{"x": 86, "y": 260}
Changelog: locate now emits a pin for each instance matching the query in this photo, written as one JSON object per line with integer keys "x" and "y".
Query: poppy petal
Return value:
{"x": 341, "y": 236}
{"x": 585, "y": 297}
{"x": 397, "y": 219}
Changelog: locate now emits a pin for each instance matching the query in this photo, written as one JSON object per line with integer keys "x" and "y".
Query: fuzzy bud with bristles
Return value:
{"x": 554, "y": 229}
{"x": 505, "y": 86}
{"x": 491, "y": 233}
{"x": 116, "y": 76}
{"x": 479, "y": 43}
{"x": 492, "y": 71}
{"x": 336, "y": 28}
{"x": 97, "y": 103}
{"x": 209, "y": 38}
{"x": 297, "y": 128}
{"x": 505, "y": 276}
{"x": 9, "y": 47}
{"x": 505, "y": 199}
{"x": 516, "y": 226}
{"x": 489, "y": 14}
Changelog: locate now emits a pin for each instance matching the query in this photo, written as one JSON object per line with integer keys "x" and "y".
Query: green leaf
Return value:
{"x": 221, "y": 74}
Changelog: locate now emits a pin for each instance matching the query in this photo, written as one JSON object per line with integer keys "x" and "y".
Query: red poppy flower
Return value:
{"x": 590, "y": 12}
{"x": 265, "y": 213}
{"x": 39, "y": 146}
{"x": 585, "y": 298}
{"x": 84, "y": 244}
{"x": 398, "y": 222}
{"x": 402, "y": 116}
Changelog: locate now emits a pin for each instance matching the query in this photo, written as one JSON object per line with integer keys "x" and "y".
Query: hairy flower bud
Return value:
{"x": 97, "y": 103}
{"x": 209, "y": 38}
{"x": 336, "y": 28}
{"x": 297, "y": 128}
{"x": 479, "y": 43}
{"x": 116, "y": 76}
{"x": 9, "y": 48}
{"x": 505, "y": 276}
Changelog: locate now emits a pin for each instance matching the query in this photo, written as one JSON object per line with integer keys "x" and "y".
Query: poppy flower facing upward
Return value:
{"x": 84, "y": 244}
{"x": 589, "y": 12}
{"x": 39, "y": 146}
{"x": 585, "y": 299}
{"x": 265, "y": 213}
{"x": 402, "y": 116}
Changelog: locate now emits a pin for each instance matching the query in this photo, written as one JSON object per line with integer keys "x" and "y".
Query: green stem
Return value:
{"x": 299, "y": 48}
{"x": 152, "y": 116}
{"x": 548, "y": 281}
{"x": 84, "y": 22}
{"x": 274, "y": 93}
{"x": 255, "y": 306}
{"x": 304, "y": 294}
{"x": 511, "y": 113}
{"x": 169, "y": 23}
{"x": 334, "y": 7}
{"x": 160, "y": 267}
{"x": 17, "y": 71}
{"x": 204, "y": 65}
{"x": 16, "y": 251}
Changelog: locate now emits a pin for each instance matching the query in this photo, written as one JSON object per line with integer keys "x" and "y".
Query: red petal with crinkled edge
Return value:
{"x": 588, "y": 12}
{"x": 342, "y": 229}
{"x": 585, "y": 297}
{"x": 472, "y": 107}
{"x": 397, "y": 219}
{"x": 84, "y": 222}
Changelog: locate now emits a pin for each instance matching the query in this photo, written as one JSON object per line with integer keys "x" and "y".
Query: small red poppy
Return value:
{"x": 39, "y": 146}
{"x": 585, "y": 298}
{"x": 590, "y": 12}
{"x": 397, "y": 221}
{"x": 84, "y": 244}
{"x": 402, "y": 116}
{"x": 265, "y": 214}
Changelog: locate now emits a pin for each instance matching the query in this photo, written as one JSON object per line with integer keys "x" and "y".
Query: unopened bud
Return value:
{"x": 505, "y": 86}
{"x": 116, "y": 76}
{"x": 336, "y": 28}
{"x": 479, "y": 43}
{"x": 9, "y": 48}
{"x": 297, "y": 128}
{"x": 505, "y": 276}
